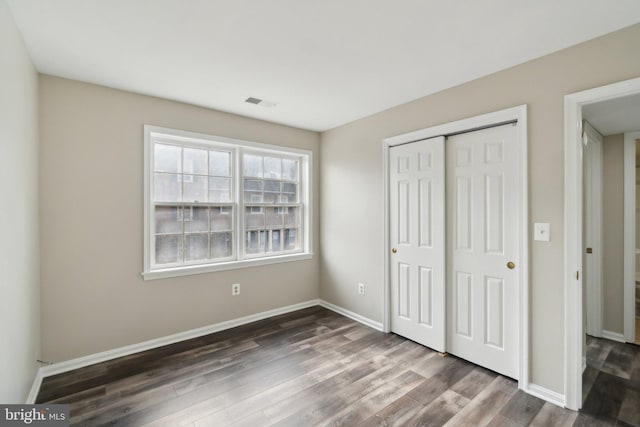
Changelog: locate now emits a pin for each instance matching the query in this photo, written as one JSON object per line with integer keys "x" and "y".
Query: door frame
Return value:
{"x": 516, "y": 114}
{"x": 573, "y": 185}
{"x": 630, "y": 235}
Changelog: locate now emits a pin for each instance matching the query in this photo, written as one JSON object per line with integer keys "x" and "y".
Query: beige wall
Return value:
{"x": 19, "y": 248}
{"x": 93, "y": 296}
{"x": 613, "y": 233}
{"x": 352, "y": 181}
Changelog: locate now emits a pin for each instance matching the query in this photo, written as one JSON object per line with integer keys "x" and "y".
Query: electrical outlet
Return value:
{"x": 361, "y": 288}
{"x": 235, "y": 289}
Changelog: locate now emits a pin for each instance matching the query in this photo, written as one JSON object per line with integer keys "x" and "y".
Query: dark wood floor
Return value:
{"x": 315, "y": 367}
{"x": 611, "y": 383}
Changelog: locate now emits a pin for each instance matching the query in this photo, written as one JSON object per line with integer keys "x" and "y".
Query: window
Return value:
{"x": 215, "y": 203}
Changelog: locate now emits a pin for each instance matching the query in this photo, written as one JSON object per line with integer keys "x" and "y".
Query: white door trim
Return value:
{"x": 573, "y": 104}
{"x": 518, "y": 114}
{"x": 630, "y": 234}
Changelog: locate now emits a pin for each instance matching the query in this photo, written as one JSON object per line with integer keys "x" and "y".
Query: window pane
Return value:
{"x": 274, "y": 217}
{"x": 252, "y": 165}
{"x": 167, "y": 187}
{"x": 194, "y": 161}
{"x": 252, "y": 191}
{"x": 196, "y": 219}
{"x": 219, "y": 189}
{"x": 254, "y": 217}
{"x": 221, "y": 219}
{"x": 276, "y": 241}
{"x": 271, "y": 191}
{"x": 196, "y": 247}
{"x": 289, "y": 170}
{"x": 166, "y": 158}
{"x": 194, "y": 188}
{"x": 272, "y": 167}
{"x": 168, "y": 249}
{"x": 221, "y": 245}
{"x": 168, "y": 219}
{"x": 255, "y": 242}
{"x": 290, "y": 239}
{"x": 289, "y": 193}
{"x": 291, "y": 217}
{"x": 219, "y": 163}
{"x": 195, "y": 198}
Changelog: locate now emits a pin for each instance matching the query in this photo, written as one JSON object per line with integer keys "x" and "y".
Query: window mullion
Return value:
{"x": 150, "y": 215}
{"x": 183, "y": 240}
{"x": 239, "y": 217}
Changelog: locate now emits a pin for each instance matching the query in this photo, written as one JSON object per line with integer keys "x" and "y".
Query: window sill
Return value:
{"x": 231, "y": 265}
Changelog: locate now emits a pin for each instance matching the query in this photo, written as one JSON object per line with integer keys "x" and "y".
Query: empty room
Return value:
{"x": 245, "y": 213}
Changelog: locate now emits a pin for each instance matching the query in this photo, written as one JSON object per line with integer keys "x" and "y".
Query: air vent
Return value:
{"x": 260, "y": 102}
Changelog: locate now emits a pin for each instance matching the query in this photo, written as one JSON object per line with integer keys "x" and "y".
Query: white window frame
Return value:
{"x": 151, "y": 133}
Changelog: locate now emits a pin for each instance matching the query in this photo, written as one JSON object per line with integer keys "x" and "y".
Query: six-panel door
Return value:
{"x": 482, "y": 248}
{"x": 454, "y": 260}
{"x": 417, "y": 234}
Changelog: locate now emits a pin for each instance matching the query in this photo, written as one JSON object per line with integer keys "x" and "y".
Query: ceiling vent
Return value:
{"x": 260, "y": 102}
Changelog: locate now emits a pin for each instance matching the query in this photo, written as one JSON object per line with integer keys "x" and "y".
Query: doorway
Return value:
{"x": 518, "y": 325}
{"x": 620, "y": 95}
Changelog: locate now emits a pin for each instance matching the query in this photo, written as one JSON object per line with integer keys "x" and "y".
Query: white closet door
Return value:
{"x": 417, "y": 234}
{"x": 482, "y": 248}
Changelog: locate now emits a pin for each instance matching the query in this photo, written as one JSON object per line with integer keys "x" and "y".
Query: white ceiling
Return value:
{"x": 324, "y": 63}
{"x": 614, "y": 116}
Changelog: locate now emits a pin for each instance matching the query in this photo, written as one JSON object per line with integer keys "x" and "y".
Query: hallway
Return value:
{"x": 611, "y": 384}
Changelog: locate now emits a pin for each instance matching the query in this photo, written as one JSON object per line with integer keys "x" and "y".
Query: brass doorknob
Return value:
{"x": 394, "y": 250}
{"x": 511, "y": 265}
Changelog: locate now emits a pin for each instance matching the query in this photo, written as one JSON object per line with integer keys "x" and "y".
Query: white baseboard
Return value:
{"x": 613, "y": 336}
{"x": 35, "y": 387}
{"x": 81, "y": 362}
{"x": 545, "y": 394}
{"x": 351, "y": 315}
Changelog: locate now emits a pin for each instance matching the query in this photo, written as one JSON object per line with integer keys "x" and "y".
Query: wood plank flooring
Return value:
{"x": 611, "y": 384}
{"x": 315, "y": 367}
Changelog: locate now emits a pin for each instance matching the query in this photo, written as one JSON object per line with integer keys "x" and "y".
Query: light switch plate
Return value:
{"x": 542, "y": 231}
